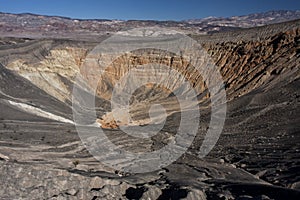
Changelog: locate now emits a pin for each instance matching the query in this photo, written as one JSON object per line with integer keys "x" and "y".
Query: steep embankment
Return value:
{"x": 245, "y": 66}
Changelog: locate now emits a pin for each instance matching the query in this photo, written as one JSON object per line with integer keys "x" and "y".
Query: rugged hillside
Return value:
{"x": 52, "y": 65}
{"x": 245, "y": 66}
{"x": 255, "y": 157}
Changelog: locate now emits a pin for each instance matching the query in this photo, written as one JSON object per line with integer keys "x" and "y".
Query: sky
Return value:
{"x": 145, "y": 9}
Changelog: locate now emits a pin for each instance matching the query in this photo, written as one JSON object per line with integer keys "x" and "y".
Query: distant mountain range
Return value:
{"x": 31, "y": 25}
{"x": 246, "y": 21}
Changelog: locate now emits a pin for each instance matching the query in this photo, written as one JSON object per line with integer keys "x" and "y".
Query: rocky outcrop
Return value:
{"x": 246, "y": 66}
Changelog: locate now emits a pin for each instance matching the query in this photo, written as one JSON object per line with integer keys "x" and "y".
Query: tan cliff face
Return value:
{"x": 48, "y": 73}
{"x": 244, "y": 65}
{"x": 247, "y": 65}
{"x": 110, "y": 75}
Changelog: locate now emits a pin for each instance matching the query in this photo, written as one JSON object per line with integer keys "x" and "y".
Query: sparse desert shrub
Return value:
{"x": 75, "y": 163}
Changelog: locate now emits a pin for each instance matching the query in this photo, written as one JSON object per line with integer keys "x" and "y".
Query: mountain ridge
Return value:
{"x": 257, "y": 14}
{"x": 28, "y": 24}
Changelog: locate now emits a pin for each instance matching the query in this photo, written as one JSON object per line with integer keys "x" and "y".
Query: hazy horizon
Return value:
{"x": 139, "y": 10}
{"x": 74, "y": 18}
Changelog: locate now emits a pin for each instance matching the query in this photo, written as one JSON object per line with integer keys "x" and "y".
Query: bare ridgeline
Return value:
{"x": 256, "y": 157}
